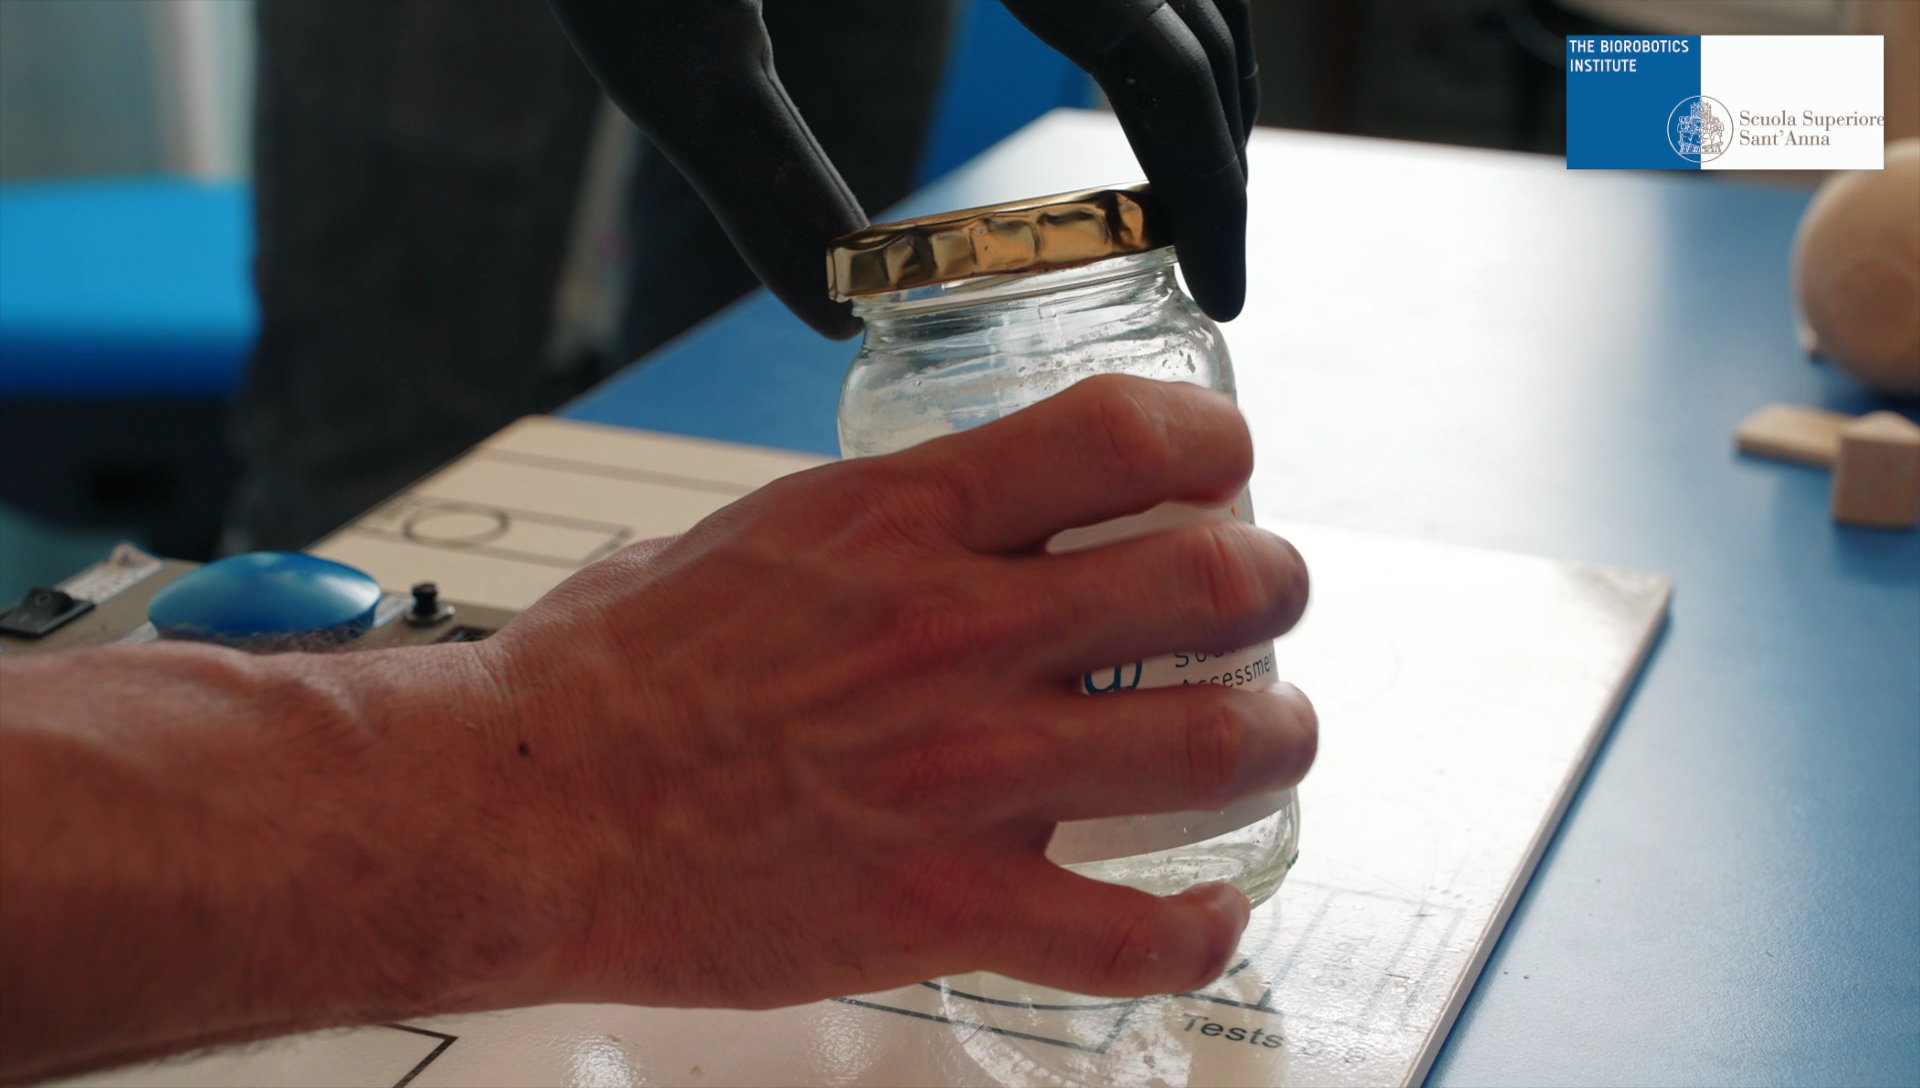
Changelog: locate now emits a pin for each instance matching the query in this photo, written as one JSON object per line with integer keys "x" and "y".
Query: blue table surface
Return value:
{"x": 1485, "y": 348}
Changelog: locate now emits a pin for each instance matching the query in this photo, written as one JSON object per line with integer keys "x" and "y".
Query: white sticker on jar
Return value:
{"x": 1079, "y": 841}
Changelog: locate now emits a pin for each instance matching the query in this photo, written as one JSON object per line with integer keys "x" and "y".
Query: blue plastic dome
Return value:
{"x": 267, "y": 600}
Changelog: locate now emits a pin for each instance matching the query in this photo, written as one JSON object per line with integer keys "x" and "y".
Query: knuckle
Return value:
{"x": 1232, "y": 575}
{"x": 953, "y": 499}
{"x": 923, "y": 774}
{"x": 943, "y": 779}
{"x": 1128, "y": 956}
{"x": 1246, "y": 574}
{"x": 893, "y": 499}
{"x": 1228, "y": 422}
{"x": 1134, "y": 436}
{"x": 946, "y": 624}
{"x": 815, "y": 506}
{"x": 1216, "y": 744}
{"x": 880, "y": 507}
{"x": 937, "y": 896}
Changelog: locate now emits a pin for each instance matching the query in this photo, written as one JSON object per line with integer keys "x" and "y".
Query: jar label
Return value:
{"x": 1078, "y": 841}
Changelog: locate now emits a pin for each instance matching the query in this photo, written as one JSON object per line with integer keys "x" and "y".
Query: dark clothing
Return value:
{"x": 416, "y": 168}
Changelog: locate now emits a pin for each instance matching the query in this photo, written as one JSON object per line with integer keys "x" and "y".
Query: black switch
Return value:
{"x": 427, "y": 609}
{"x": 41, "y": 612}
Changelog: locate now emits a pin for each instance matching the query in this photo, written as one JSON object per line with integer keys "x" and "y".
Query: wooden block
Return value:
{"x": 1786, "y": 432}
{"x": 1876, "y": 480}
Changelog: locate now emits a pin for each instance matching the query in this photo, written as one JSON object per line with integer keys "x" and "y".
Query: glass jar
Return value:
{"x": 976, "y": 315}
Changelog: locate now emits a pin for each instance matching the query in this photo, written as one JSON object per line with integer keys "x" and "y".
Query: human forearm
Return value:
{"x": 239, "y": 846}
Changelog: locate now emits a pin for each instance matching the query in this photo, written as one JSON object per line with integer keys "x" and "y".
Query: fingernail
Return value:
{"x": 1226, "y": 903}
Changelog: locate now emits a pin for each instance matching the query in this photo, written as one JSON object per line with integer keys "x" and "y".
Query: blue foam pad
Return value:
{"x": 134, "y": 287}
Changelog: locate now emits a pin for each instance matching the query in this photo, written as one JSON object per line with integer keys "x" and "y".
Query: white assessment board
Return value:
{"x": 1461, "y": 692}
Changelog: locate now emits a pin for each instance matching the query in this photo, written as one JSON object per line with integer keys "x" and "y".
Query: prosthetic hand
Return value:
{"x": 697, "y": 77}
{"x": 1182, "y": 80}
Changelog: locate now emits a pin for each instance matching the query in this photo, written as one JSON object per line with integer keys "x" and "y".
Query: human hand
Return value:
{"x": 818, "y": 744}
{"x": 699, "y": 80}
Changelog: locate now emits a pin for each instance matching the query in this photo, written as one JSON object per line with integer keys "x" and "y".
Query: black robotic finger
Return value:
{"x": 698, "y": 79}
{"x": 1088, "y": 32}
{"x": 1238, "y": 15}
{"x": 1208, "y": 214}
{"x": 1210, "y": 30}
{"x": 1162, "y": 89}
{"x": 1161, "y": 82}
{"x": 1083, "y": 31}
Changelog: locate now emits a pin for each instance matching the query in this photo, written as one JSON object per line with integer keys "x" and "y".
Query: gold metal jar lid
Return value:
{"x": 1038, "y": 235}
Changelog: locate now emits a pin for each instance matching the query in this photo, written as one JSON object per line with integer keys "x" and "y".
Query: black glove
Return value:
{"x": 697, "y": 77}
{"x": 1181, "y": 77}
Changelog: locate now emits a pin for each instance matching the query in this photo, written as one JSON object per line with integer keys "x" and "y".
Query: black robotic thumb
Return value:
{"x": 697, "y": 77}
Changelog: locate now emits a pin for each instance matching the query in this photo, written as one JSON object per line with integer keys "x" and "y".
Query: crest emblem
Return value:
{"x": 1698, "y": 130}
